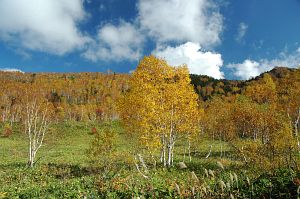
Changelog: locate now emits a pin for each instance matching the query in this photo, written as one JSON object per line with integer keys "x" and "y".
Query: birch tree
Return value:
{"x": 290, "y": 102}
{"x": 36, "y": 126}
{"x": 160, "y": 106}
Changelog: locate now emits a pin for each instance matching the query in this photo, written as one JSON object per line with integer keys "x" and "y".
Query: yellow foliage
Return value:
{"x": 263, "y": 91}
{"x": 160, "y": 105}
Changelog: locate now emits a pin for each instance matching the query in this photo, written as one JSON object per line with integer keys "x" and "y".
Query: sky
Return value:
{"x": 232, "y": 39}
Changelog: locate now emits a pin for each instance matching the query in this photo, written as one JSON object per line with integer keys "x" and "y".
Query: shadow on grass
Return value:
{"x": 59, "y": 171}
{"x": 213, "y": 154}
{"x": 15, "y": 165}
{"x": 62, "y": 171}
{"x": 66, "y": 171}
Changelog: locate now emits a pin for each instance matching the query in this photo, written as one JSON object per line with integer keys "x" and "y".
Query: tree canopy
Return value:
{"x": 160, "y": 106}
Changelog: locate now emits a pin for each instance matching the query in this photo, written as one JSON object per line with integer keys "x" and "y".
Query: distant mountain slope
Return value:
{"x": 277, "y": 73}
{"x": 207, "y": 87}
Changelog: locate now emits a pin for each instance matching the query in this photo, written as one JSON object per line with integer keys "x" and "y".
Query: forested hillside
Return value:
{"x": 207, "y": 87}
{"x": 73, "y": 96}
{"x": 91, "y": 95}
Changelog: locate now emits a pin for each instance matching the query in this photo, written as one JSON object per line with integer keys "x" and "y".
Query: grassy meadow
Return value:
{"x": 64, "y": 169}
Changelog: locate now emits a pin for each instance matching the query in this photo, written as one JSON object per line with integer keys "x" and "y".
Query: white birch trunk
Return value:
{"x": 36, "y": 126}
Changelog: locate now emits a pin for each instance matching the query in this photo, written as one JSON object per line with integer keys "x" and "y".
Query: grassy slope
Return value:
{"x": 59, "y": 166}
{"x": 63, "y": 169}
{"x": 63, "y": 156}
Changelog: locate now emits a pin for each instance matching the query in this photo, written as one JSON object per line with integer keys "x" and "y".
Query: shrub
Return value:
{"x": 7, "y": 131}
{"x": 102, "y": 148}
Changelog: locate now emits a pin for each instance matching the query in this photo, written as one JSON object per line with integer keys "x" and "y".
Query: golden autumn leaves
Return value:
{"x": 160, "y": 106}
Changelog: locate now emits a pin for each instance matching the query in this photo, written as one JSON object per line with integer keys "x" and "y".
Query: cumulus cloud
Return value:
{"x": 47, "y": 26}
{"x": 197, "y": 21}
{"x": 247, "y": 69}
{"x": 11, "y": 70}
{"x": 52, "y": 26}
{"x": 242, "y": 29}
{"x": 179, "y": 21}
{"x": 198, "y": 61}
{"x": 251, "y": 68}
{"x": 117, "y": 43}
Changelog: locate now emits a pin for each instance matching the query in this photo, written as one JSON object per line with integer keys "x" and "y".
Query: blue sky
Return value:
{"x": 222, "y": 38}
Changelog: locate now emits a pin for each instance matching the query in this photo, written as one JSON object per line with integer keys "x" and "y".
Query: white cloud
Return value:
{"x": 247, "y": 69}
{"x": 198, "y": 62}
{"x": 52, "y": 26}
{"x": 197, "y": 21}
{"x": 251, "y": 68}
{"x": 163, "y": 21}
{"x": 241, "y": 31}
{"x": 116, "y": 43}
{"x": 47, "y": 25}
{"x": 11, "y": 70}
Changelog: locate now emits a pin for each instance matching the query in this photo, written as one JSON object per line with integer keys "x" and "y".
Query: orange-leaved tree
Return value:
{"x": 160, "y": 106}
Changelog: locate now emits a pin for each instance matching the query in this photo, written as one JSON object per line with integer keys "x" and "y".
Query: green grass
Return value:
{"x": 65, "y": 143}
{"x": 62, "y": 162}
{"x": 64, "y": 170}
{"x": 59, "y": 161}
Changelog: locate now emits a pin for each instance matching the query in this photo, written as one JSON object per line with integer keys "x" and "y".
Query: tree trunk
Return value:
{"x": 172, "y": 154}
{"x": 209, "y": 153}
{"x": 31, "y": 159}
{"x": 169, "y": 163}
{"x": 163, "y": 151}
{"x": 189, "y": 151}
{"x": 30, "y": 162}
{"x": 35, "y": 127}
{"x": 296, "y": 130}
